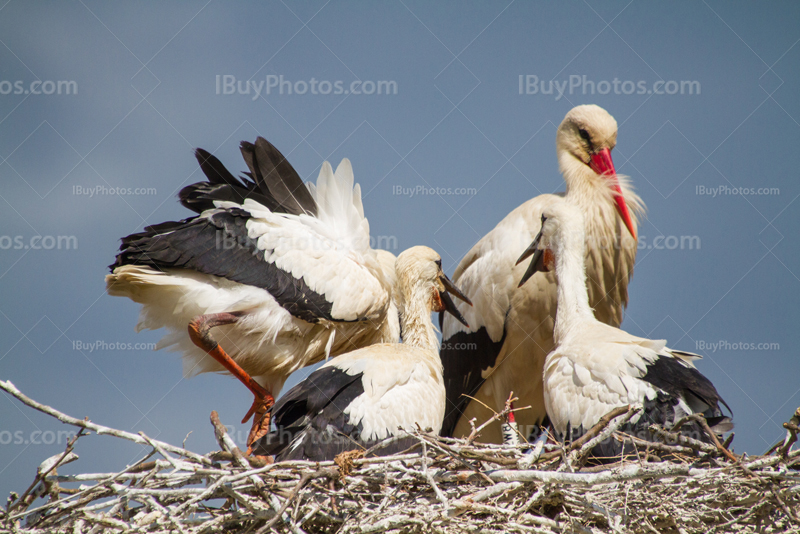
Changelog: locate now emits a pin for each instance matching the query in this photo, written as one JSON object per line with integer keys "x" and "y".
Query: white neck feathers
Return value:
{"x": 595, "y": 196}
{"x": 418, "y": 272}
{"x": 573, "y": 297}
{"x": 415, "y": 318}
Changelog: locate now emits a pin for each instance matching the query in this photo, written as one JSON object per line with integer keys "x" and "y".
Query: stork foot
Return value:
{"x": 261, "y": 410}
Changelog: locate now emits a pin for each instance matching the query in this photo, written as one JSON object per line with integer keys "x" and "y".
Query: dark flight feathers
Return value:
{"x": 463, "y": 369}
{"x": 670, "y": 375}
{"x": 675, "y": 381}
{"x": 272, "y": 181}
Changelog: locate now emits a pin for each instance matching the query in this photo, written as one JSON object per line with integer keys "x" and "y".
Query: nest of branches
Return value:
{"x": 440, "y": 485}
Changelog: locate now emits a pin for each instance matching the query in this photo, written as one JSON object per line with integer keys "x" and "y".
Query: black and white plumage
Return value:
{"x": 365, "y": 396}
{"x": 511, "y": 325}
{"x": 285, "y": 267}
{"x": 595, "y": 367}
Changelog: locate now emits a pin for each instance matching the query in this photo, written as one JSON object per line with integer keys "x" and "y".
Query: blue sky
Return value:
{"x": 715, "y": 164}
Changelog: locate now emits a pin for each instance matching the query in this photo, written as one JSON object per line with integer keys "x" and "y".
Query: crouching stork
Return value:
{"x": 595, "y": 367}
{"x": 282, "y": 270}
{"x": 371, "y": 394}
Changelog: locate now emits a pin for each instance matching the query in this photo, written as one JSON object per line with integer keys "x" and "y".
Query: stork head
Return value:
{"x": 584, "y": 142}
{"x": 420, "y": 279}
{"x": 563, "y": 232}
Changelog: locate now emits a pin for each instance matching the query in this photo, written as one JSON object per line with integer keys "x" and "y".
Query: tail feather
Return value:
{"x": 341, "y": 211}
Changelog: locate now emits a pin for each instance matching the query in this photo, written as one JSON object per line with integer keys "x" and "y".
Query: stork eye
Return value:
{"x": 585, "y": 135}
{"x": 438, "y": 263}
{"x": 543, "y": 219}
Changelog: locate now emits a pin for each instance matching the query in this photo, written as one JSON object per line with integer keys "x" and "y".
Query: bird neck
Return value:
{"x": 573, "y": 298}
{"x": 594, "y": 195}
{"x": 382, "y": 266}
{"x": 583, "y": 184}
{"x": 390, "y": 328}
{"x": 415, "y": 320}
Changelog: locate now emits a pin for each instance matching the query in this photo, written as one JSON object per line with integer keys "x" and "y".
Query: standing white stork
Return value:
{"x": 368, "y": 395}
{"x": 595, "y": 367}
{"x": 511, "y": 327}
{"x": 283, "y": 269}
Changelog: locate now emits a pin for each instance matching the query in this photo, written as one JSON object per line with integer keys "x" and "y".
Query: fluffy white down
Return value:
{"x": 403, "y": 387}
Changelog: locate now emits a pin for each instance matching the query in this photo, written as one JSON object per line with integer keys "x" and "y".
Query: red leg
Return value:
{"x": 199, "y": 329}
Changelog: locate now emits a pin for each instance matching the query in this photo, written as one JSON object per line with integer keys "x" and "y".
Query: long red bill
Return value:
{"x": 603, "y": 165}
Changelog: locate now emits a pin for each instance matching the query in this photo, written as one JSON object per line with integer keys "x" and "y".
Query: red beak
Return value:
{"x": 603, "y": 165}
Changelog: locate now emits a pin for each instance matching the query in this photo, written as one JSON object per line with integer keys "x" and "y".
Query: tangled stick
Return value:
{"x": 444, "y": 485}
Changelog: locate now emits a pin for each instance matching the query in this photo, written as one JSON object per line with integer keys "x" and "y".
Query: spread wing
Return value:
{"x": 307, "y": 245}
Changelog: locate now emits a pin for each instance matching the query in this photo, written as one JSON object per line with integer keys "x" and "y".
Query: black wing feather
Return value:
{"x": 214, "y": 170}
{"x": 670, "y": 375}
{"x": 218, "y": 244}
{"x": 463, "y": 370}
{"x": 323, "y": 387}
{"x": 224, "y": 186}
{"x": 658, "y": 411}
{"x": 675, "y": 381}
{"x": 273, "y": 173}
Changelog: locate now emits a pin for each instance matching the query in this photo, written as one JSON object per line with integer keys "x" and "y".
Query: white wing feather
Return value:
{"x": 586, "y": 379}
{"x": 488, "y": 275}
{"x": 332, "y": 255}
{"x": 402, "y": 388}
{"x": 330, "y": 252}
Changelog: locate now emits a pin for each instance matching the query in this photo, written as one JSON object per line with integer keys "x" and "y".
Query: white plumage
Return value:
{"x": 402, "y": 387}
{"x": 511, "y": 327}
{"x": 284, "y": 268}
{"x": 366, "y": 395}
{"x": 595, "y": 367}
{"x": 587, "y": 377}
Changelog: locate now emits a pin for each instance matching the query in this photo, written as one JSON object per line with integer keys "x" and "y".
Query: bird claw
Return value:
{"x": 261, "y": 412}
{"x": 267, "y": 460}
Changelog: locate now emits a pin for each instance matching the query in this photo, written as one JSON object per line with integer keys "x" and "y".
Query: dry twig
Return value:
{"x": 445, "y": 486}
